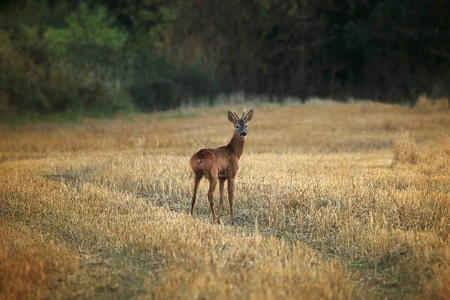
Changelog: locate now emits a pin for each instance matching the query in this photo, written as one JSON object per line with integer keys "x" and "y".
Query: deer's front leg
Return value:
{"x": 221, "y": 184}
{"x": 230, "y": 198}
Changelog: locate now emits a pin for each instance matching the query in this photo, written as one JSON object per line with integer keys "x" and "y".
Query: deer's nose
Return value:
{"x": 243, "y": 133}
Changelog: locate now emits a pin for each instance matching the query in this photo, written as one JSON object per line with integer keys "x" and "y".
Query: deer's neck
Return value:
{"x": 236, "y": 145}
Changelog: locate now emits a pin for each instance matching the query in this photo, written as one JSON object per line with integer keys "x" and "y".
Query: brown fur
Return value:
{"x": 221, "y": 164}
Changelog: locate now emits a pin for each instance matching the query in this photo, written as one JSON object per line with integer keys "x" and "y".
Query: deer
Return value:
{"x": 221, "y": 164}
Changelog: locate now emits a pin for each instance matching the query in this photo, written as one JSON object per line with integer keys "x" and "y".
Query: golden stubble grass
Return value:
{"x": 332, "y": 201}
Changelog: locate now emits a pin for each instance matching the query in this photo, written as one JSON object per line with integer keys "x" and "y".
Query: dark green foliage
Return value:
{"x": 46, "y": 69}
{"x": 159, "y": 84}
{"x": 29, "y": 87}
{"x": 156, "y": 55}
{"x": 384, "y": 50}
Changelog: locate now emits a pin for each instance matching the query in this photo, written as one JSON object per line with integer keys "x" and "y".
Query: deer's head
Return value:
{"x": 240, "y": 124}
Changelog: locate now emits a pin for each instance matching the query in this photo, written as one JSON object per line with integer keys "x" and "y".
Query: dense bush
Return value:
{"x": 85, "y": 63}
{"x": 42, "y": 71}
{"x": 152, "y": 54}
{"x": 30, "y": 87}
{"x": 160, "y": 84}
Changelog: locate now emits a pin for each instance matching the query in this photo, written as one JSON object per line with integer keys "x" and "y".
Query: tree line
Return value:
{"x": 152, "y": 54}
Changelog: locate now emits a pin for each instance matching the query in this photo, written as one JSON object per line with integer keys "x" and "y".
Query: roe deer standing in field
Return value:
{"x": 221, "y": 164}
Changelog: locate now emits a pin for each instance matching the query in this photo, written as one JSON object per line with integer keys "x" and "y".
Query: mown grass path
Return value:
{"x": 332, "y": 201}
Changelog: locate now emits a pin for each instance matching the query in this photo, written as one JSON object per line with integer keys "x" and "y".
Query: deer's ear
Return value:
{"x": 232, "y": 117}
{"x": 248, "y": 116}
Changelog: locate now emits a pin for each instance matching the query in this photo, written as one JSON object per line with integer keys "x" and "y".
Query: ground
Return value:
{"x": 334, "y": 201}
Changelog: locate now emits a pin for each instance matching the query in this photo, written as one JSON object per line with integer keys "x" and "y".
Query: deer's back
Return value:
{"x": 212, "y": 161}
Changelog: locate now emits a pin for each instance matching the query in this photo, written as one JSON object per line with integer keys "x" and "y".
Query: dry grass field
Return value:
{"x": 334, "y": 201}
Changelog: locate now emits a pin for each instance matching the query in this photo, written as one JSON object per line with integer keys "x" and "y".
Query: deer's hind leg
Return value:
{"x": 198, "y": 176}
{"x": 212, "y": 177}
{"x": 212, "y": 188}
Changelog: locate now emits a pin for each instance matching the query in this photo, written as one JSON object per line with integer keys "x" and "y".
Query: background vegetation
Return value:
{"x": 118, "y": 55}
{"x": 332, "y": 201}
